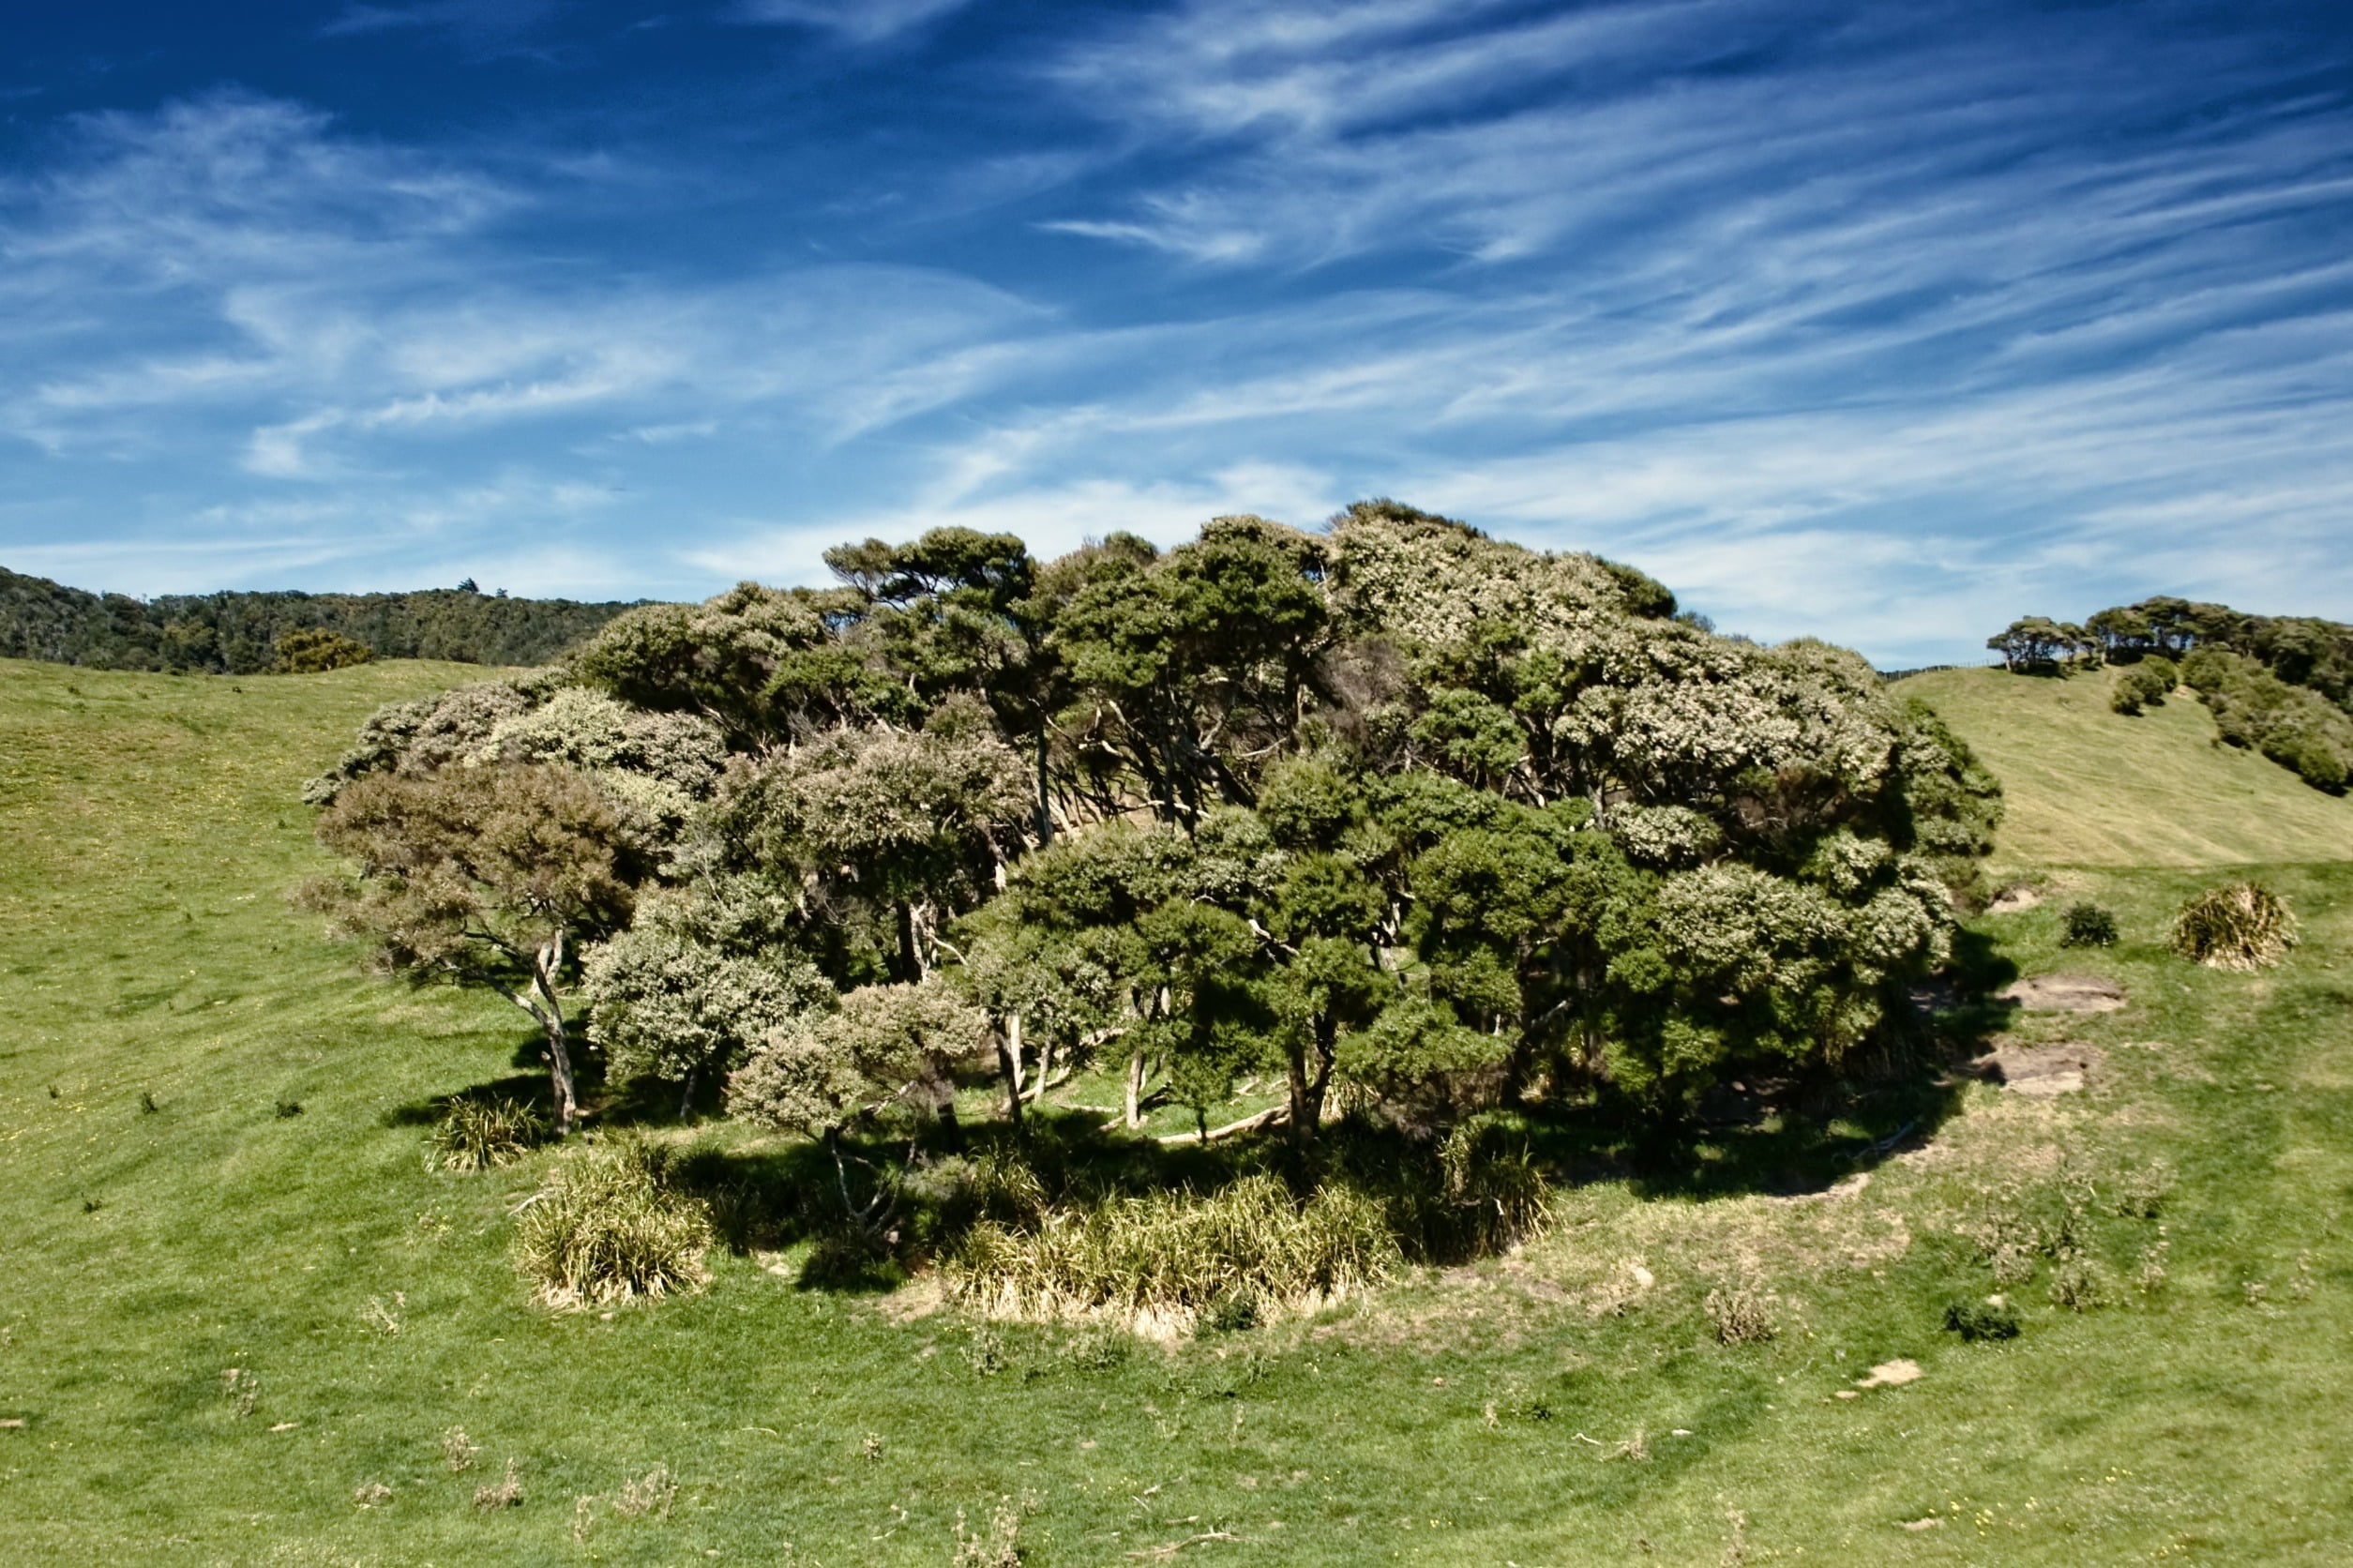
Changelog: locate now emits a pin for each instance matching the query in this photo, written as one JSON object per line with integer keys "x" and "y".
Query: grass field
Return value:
{"x": 2089, "y": 787}
{"x": 234, "y": 1332}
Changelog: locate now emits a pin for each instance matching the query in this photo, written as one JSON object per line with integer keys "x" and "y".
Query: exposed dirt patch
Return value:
{"x": 2065, "y": 993}
{"x": 2010, "y": 901}
{"x": 1891, "y": 1374}
{"x": 2041, "y": 1072}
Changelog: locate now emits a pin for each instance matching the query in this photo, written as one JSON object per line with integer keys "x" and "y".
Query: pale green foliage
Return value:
{"x": 606, "y": 1227}
{"x": 1429, "y": 581}
{"x": 1663, "y": 836}
{"x": 886, "y": 1052}
{"x": 1179, "y": 1252}
{"x": 665, "y": 1005}
{"x": 416, "y": 737}
{"x": 590, "y": 730}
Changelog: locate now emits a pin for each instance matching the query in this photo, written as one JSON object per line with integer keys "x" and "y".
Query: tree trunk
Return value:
{"x": 1295, "y": 1086}
{"x": 1009, "y": 1061}
{"x": 1307, "y": 1089}
{"x": 1135, "y": 1086}
{"x": 1044, "y": 794}
{"x": 550, "y": 1012}
{"x": 1045, "y": 1068}
{"x": 910, "y": 966}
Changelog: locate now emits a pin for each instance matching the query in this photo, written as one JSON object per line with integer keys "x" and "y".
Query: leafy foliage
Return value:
{"x": 487, "y": 876}
{"x": 2087, "y": 925}
{"x": 2294, "y": 726}
{"x": 1419, "y": 820}
{"x": 309, "y": 650}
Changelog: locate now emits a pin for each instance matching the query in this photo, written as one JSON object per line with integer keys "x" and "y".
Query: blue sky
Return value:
{"x": 1884, "y": 323}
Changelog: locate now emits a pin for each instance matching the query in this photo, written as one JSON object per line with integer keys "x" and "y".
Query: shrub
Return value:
{"x": 608, "y": 1226}
{"x": 2088, "y": 925}
{"x": 2243, "y": 927}
{"x": 480, "y": 1133}
{"x": 1976, "y": 1321}
{"x": 2149, "y": 682}
{"x": 1742, "y": 1314}
{"x": 311, "y": 650}
{"x": 1180, "y": 1252}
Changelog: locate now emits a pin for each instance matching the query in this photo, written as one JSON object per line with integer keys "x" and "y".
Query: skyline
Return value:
{"x": 1884, "y": 330}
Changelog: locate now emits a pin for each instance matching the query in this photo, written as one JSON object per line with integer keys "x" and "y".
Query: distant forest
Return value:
{"x": 237, "y": 633}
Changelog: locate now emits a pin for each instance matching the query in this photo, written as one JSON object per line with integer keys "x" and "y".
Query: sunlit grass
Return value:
{"x": 2089, "y": 787}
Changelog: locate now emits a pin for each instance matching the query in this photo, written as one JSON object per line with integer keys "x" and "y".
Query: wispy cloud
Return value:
{"x": 855, "y": 21}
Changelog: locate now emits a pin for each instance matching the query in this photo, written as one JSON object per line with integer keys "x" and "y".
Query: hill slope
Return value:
{"x": 2085, "y": 786}
{"x": 236, "y": 1332}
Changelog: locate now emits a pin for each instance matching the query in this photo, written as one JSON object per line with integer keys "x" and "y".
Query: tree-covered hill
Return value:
{"x": 2278, "y": 685}
{"x": 237, "y": 633}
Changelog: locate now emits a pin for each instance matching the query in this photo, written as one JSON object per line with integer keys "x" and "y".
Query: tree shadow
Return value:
{"x": 529, "y": 1089}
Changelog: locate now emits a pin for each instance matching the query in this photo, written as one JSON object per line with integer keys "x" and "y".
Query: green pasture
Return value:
{"x": 240, "y": 1319}
{"x": 2090, "y": 787}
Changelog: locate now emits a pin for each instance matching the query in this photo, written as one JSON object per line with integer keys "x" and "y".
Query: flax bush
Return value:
{"x": 1179, "y": 1253}
{"x": 484, "y": 1134}
{"x": 608, "y": 1226}
{"x": 2243, "y": 926}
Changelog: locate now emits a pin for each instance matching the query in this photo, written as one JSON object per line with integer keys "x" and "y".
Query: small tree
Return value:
{"x": 488, "y": 877}
{"x": 665, "y": 1005}
{"x": 309, "y": 650}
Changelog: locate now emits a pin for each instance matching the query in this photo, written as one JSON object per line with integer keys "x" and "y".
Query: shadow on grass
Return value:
{"x": 868, "y": 1210}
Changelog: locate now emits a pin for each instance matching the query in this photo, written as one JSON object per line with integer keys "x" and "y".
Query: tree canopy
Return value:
{"x": 1409, "y": 819}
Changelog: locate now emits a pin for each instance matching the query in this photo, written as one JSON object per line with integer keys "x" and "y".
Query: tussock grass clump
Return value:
{"x": 606, "y": 1228}
{"x": 482, "y": 1134}
{"x": 1498, "y": 1195}
{"x": 2243, "y": 926}
{"x": 1742, "y": 1314}
{"x": 1178, "y": 1253}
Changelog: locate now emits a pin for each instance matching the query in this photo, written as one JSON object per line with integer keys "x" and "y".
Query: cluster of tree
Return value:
{"x": 2280, "y": 684}
{"x": 1394, "y": 811}
{"x": 240, "y": 633}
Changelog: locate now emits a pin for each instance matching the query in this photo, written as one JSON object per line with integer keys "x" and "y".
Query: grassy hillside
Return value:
{"x": 2089, "y": 787}
{"x": 1569, "y": 1405}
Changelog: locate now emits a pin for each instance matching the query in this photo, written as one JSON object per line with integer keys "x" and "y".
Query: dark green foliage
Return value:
{"x": 2147, "y": 682}
{"x": 1980, "y": 1320}
{"x": 238, "y": 633}
{"x": 2038, "y": 645}
{"x": 2294, "y": 726}
{"x": 2086, "y": 926}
